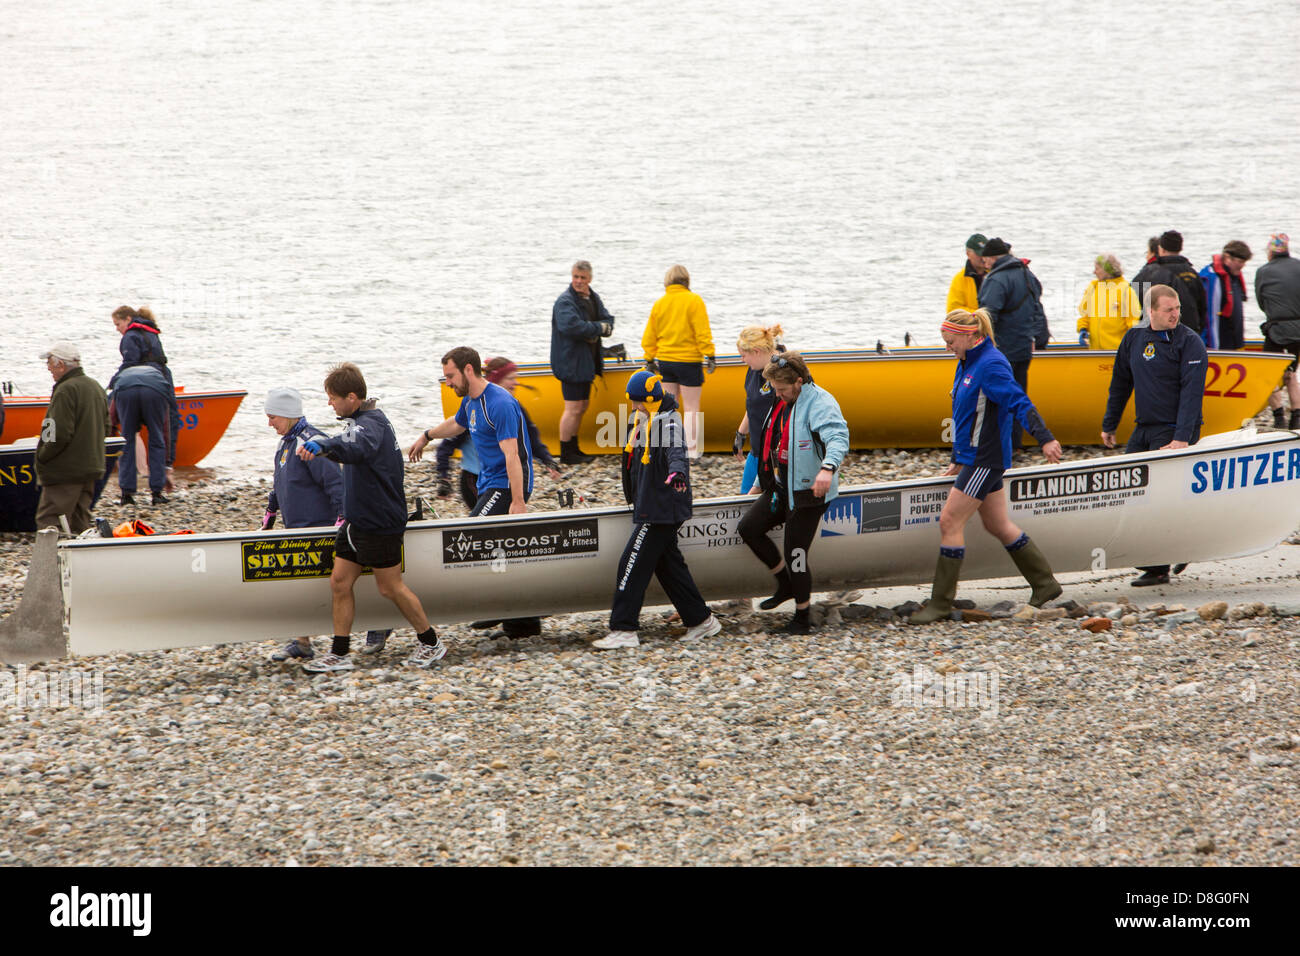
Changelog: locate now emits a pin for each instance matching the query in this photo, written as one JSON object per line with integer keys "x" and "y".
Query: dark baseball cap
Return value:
{"x": 976, "y": 243}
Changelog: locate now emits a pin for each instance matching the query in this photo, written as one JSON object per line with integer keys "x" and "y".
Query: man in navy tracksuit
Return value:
{"x": 1163, "y": 367}
{"x": 374, "y": 504}
{"x": 656, "y": 482}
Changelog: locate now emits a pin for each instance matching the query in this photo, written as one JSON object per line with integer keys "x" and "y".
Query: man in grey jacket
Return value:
{"x": 1277, "y": 290}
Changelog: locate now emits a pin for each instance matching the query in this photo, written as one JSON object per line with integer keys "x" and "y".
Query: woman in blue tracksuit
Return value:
{"x": 801, "y": 445}
{"x": 756, "y": 345}
{"x": 985, "y": 401}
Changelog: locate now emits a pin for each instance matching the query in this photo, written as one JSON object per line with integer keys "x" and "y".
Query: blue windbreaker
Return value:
{"x": 985, "y": 398}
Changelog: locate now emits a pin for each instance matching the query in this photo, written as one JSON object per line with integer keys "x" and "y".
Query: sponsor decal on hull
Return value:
{"x": 543, "y": 541}
{"x": 711, "y": 529}
{"x": 923, "y": 507}
{"x": 862, "y": 514}
{"x": 1079, "y": 490}
{"x": 289, "y": 559}
{"x": 1250, "y": 470}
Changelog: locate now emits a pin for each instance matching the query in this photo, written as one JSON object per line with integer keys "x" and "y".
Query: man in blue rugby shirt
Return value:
{"x": 495, "y": 422}
{"x": 1163, "y": 367}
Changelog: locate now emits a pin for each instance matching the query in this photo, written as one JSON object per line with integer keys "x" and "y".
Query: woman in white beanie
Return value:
{"x": 307, "y": 494}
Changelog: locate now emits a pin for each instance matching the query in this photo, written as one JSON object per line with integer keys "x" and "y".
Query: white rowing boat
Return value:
{"x": 1231, "y": 495}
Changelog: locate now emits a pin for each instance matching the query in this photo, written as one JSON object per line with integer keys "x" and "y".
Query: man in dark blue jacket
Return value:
{"x": 1163, "y": 367}
{"x": 579, "y": 320}
{"x": 656, "y": 483}
{"x": 1012, "y": 295}
{"x": 374, "y": 506}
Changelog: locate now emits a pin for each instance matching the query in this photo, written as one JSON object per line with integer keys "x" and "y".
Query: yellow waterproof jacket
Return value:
{"x": 678, "y": 330}
{"x": 1108, "y": 309}
{"x": 962, "y": 292}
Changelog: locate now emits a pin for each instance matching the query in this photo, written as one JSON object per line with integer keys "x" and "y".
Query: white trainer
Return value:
{"x": 426, "y": 655}
{"x": 706, "y": 628}
{"x": 617, "y": 639}
{"x": 330, "y": 662}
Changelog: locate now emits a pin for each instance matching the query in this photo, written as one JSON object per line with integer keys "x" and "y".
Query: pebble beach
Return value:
{"x": 1126, "y": 732}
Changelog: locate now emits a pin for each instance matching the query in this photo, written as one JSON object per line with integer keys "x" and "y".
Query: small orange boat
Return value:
{"x": 204, "y": 419}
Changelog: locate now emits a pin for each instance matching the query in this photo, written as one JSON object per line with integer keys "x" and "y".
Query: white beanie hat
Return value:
{"x": 285, "y": 402}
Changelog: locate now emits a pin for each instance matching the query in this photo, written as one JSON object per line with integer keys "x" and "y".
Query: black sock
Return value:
{"x": 341, "y": 644}
{"x": 429, "y": 637}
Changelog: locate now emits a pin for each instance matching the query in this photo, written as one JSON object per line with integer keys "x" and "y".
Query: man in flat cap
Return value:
{"x": 70, "y": 451}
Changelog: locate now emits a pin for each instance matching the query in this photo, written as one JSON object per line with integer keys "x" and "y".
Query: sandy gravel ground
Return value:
{"x": 1170, "y": 738}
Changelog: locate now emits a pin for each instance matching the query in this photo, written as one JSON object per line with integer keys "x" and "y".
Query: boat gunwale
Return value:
{"x": 1252, "y": 441}
{"x": 21, "y": 401}
{"x": 913, "y": 353}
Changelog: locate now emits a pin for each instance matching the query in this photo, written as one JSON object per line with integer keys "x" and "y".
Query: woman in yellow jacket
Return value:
{"x": 677, "y": 339}
{"x": 1109, "y": 307}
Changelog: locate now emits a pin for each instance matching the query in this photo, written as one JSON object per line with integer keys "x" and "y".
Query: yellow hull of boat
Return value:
{"x": 901, "y": 399}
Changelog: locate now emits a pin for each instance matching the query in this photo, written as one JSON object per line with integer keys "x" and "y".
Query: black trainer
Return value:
{"x": 571, "y": 454}
{"x": 800, "y": 623}
{"x": 159, "y": 498}
{"x": 1150, "y": 578}
{"x": 127, "y": 498}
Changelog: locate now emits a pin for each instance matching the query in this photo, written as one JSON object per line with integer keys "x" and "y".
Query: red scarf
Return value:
{"x": 1225, "y": 279}
{"x": 783, "y": 446}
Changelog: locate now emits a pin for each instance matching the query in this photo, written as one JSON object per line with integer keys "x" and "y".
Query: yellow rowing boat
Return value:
{"x": 900, "y": 399}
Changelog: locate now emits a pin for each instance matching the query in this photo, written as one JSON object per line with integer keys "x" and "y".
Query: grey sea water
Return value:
{"x": 292, "y": 184}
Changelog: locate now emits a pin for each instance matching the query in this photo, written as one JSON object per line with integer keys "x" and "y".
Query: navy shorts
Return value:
{"x": 575, "y": 391}
{"x": 366, "y": 548}
{"x": 978, "y": 482}
{"x": 690, "y": 374}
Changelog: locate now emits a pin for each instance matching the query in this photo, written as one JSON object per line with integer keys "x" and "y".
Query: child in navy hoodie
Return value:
{"x": 656, "y": 482}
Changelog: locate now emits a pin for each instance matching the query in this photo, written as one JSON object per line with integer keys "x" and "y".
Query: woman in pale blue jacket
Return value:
{"x": 800, "y": 447}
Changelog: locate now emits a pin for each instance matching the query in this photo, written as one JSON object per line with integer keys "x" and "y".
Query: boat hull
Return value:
{"x": 1115, "y": 511}
{"x": 204, "y": 419}
{"x": 901, "y": 400}
{"x": 20, "y": 495}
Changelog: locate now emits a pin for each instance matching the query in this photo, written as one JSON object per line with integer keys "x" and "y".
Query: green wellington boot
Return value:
{"x": 1033, "y": 565}
{"x": 944, "y": 589}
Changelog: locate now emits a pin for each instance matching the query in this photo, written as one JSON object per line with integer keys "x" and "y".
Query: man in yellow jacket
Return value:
{"x": 676, "y": 341}
{"x": 1109, "y": 306}
{"x": 964, "y": 290}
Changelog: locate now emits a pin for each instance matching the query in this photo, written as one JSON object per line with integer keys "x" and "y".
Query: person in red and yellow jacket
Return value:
{"x": 964, "y": 290}
{"x": 1109, "y": 306}
{"x": 676, "y": 341}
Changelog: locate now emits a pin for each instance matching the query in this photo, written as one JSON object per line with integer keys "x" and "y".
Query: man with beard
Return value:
{"x": 496, "y": 424}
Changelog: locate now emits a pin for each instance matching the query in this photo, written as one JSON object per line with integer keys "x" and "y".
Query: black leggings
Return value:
{"x": 800, "y": 531}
